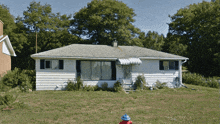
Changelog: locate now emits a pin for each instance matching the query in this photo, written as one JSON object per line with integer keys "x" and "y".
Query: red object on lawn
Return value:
{"x": 126, "y": 122}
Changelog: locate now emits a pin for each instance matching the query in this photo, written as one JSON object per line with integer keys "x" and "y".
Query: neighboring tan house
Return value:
{"x": 6, "y": 51}
{"x": 96, "y": 64}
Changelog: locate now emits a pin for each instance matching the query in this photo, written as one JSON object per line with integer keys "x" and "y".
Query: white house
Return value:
{"x": 96, "y": 64}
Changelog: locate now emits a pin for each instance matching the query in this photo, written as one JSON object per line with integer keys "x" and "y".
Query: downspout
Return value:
{"x": 181, "y": 74}
{"x": 184, "y": 61}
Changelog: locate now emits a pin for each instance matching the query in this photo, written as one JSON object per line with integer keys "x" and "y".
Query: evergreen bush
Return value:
{"x": 16, "y": 78}
{"x": 160, "y": 85}
{"x": 79, "y": 83}
{"x": 140, "y": 82}
{"x": 74, "y": 86}
{"x": 117, "y": 86}
{"x": 32, "y": 77}
{"x": 71, "y": 86}
{"x": 104, "y": 86}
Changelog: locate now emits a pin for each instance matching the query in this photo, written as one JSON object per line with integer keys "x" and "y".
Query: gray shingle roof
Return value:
{"x": 102, "y": 51}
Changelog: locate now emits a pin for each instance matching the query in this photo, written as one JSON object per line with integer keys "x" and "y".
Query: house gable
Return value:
{"x": 6, "y": 46}
{"x": 5, "y": 49}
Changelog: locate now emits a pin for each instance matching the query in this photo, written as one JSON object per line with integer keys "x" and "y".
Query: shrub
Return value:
{"x": 71, "y": 86}
{"x": 97, "y": 88}
{"x": 117, "y": 86}
{"x": 7, "y": 99}
{"x": 88, "y": 88}
{"x": 160, "y": 85}
{"x": 79, "y": 83}
{"x": 212, "y": 82}
{"x": 104, "y": 86}
{"x": 74, "y": 86}
{"x": 140, "y": 82}
{"x": 16, "y": 78}
{"x": 196, "y": 79}
{"x": 32, "y": 77}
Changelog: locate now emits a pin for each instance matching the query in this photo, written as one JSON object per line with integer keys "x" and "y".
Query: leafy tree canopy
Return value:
{"x": 197, "y": 26}
{"x": 52, "y": 32}
{"x": 102, "y": 21}
{"x": 153, "y": 40}
{"x": 173, "y": 45}
{"x": 7, "y": 19}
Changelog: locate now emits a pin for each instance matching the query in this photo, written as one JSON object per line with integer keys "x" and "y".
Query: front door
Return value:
{"x": 127, "y": 71}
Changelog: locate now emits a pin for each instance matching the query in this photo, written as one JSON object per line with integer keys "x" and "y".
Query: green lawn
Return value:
{"x": 182, "y": 105}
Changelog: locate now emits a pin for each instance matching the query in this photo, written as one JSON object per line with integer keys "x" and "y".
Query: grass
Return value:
{"x": 182, "y": 105}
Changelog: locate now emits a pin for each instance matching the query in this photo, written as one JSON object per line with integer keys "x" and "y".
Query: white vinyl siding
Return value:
{"x": 49, "y": 79}
{"x": 151, "y": 72}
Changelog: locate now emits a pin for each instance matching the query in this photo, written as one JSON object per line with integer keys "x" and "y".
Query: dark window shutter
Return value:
{"x": 161, "y": 65}
{"x": 78, "y": 68}
{"x": 60, "y": 64}
{"x": 42, "y": 64}
{"x": 48, "y": 64}
{"x": 176, "y": 65}
{"x": 113, "y": 70}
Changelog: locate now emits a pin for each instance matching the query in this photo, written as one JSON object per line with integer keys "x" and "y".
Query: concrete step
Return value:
{"x": 127, "y": 82}
{"x": 128, "y": 86}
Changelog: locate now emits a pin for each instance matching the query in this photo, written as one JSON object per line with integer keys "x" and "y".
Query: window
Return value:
{"x": 51, "y": 64}
{"x": 48, "y": 64}
{"x": 96, "y": 70}
{"x": 169, "y": 65}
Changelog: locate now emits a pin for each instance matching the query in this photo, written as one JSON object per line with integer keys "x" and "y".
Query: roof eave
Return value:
{"x": 165, "y": 58}
{"x": 106, "y": 58}
{"x": 71, "y": 57}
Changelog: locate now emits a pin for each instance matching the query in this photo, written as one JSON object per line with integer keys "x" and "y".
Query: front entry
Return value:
{"x": 127, "y": 71}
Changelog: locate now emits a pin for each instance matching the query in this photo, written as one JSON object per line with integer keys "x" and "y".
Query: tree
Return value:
{"x": 173, "y": 45}
{"x": 7, "y": 19}
{"x": 52, "y": 32}
{"x": 153, "y": 41}
{"x": 197, "y": 26}
{"x": 102, "y": 21}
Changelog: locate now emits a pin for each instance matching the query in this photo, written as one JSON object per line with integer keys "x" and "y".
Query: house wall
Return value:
{"x": 151, "y": 72}
{"x": 48, "y": 79}
{"x": 5, "y": 60}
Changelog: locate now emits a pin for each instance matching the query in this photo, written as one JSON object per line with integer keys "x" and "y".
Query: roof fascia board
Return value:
{"x": 162, "y": 58}
{"x": 64, "y": 57}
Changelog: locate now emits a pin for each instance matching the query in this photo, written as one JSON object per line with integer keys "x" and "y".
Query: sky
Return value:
{"x": 151, "y": 15}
